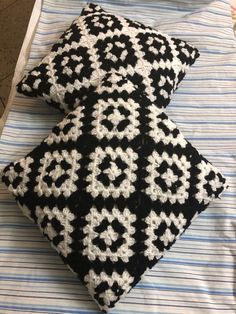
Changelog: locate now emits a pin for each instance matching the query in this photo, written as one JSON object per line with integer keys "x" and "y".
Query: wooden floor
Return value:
{"x": 14, "y": 18}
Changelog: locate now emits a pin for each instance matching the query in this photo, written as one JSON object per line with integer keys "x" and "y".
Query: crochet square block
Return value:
{"x": 98, "y": 42}
{"x": 112, "y": 187}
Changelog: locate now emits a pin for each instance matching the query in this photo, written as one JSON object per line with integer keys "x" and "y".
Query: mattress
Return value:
{"x": 198, "y": 274}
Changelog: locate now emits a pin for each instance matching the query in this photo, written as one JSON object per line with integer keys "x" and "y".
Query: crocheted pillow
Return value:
{"x": 112, "y": 187}
{"x": 98, "y": 42}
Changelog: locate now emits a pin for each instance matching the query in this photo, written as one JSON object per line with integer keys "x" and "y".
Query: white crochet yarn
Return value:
{"x": 65, "y": 218}
{"x": 21, "y": 188}
{"x": 154, "y": 190}
{"x": 68, "y": 186}
{"x": 92, "y": 281}
{"x": 109, "y": 235}
{"x": 126, "y": 187}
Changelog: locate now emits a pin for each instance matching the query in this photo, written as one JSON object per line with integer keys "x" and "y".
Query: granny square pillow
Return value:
{"x": 98, "y": 42}
{"x": 112, "y": 187}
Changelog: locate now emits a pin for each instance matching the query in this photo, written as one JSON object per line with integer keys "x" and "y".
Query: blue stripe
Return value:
{"x": 183, "y": 289}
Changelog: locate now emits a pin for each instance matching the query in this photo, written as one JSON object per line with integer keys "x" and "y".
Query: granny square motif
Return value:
{"x": 112, "y": 187}
{"x": 98, "y": 42}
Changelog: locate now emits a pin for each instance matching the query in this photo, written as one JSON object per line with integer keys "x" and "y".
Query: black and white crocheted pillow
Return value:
{"x": 98, "y": 42}
{"x": 112, "y": 187}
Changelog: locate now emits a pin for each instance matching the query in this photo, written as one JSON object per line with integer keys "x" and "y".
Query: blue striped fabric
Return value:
{"x": 198, "y": 274}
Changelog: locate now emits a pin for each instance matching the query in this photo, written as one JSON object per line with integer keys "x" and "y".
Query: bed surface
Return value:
{"x": 198, "y": 274}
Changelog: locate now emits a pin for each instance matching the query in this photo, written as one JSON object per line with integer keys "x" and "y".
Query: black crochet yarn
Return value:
{"x": 98, "y": 42}
{"x": 112, "y": 187}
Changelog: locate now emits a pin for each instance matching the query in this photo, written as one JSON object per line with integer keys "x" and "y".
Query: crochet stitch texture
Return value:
{"x": 98, "y": 42}
{"x": 112, "y": 187}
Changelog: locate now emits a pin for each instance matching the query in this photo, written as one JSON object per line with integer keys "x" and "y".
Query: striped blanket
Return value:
{"x": 198, "y": 274}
